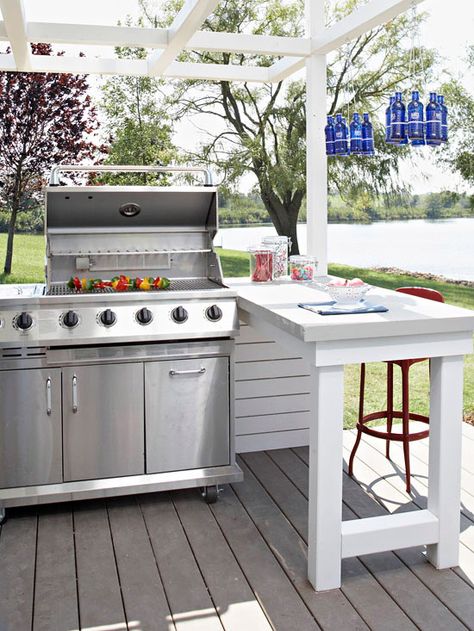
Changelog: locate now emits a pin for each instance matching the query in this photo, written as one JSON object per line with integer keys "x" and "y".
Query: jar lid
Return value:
{"x": 301, "y": 259}
{"x": 276, "y": 239}
{"x": 260, "y": 249}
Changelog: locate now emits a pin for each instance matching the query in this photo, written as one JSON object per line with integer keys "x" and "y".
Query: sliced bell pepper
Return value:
{"x": 145, "y": 285}
{"x": 164, "y": 283}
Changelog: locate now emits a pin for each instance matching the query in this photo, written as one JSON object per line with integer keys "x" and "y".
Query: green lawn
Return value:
{"x": 28, "y": 265}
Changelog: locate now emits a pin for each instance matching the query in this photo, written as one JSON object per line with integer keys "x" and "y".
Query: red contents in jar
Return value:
{"x": 263, "y": 267}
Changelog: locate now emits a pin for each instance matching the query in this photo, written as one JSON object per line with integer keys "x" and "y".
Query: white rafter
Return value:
{"x": 15, "y": 31}
{"x": 139, "y": 67}
{"x": 360, "y": 21}
{"x": 185, "y": 24}
{"x": 285, "y": 67}
{"x": 104, "y": 35}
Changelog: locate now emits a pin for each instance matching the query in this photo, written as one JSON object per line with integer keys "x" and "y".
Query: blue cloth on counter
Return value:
{"x": 365, "y": 307}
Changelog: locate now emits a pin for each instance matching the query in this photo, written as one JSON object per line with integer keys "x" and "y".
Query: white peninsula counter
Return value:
{"x": 413, "y": 327}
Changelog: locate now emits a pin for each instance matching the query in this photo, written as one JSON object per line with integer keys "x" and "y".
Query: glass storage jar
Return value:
{"x": 261, "y": 263}
{"x": 281, "y": 246}
{"x": 303, "y": 268}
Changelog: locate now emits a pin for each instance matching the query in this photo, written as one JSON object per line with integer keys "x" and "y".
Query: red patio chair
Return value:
{"x": 405, "y": 436}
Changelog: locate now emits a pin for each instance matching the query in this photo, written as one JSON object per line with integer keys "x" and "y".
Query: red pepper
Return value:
{"x": 77, "y": 283}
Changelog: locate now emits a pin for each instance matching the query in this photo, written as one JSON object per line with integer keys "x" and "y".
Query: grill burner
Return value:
{"x": 177, "y": 284}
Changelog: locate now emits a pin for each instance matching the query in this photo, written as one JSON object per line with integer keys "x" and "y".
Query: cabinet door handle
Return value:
{"x": 74, "y": 394}
{"x": 199, "y": 371}
{"x": 48, "y": 396}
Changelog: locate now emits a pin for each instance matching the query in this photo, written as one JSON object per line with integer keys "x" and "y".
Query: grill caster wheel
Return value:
{"x": 3, "y": 516}
{"x": 210, "y": 494}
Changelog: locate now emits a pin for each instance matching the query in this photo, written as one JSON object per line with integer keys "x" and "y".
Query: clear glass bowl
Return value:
{"x": 347, "y": 294}
{"x": 303, "y": 268}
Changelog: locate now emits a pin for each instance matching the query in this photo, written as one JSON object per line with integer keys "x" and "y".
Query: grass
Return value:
{"x": 28, "y": 266}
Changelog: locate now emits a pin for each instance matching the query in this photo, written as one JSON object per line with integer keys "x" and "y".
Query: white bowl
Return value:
{"x": 347, "y": 294}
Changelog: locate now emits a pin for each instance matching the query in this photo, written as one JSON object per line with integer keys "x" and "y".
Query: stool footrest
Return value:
{"x": 392, "y": 435}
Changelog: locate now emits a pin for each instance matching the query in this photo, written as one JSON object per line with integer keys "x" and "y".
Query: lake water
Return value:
{"x": 442, "y": 246}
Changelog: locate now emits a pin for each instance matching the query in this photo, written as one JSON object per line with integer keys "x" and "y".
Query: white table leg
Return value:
{"x": 446, "y": 409}
{"x": 325, "y": 478}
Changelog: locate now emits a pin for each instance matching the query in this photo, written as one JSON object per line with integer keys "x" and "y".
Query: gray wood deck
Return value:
{"x": 169, "y": 561}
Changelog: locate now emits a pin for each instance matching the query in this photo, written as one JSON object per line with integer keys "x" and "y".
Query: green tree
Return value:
{"x": 459, "y": 153}
{"x": 261, "y": 129}
{"x": 138, "y": 127}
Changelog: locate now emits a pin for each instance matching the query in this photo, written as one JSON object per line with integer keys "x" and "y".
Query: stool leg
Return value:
{"x": 361, "y": 414}
{"x": 405, "y": 423}
{"x": 389, "y": 405}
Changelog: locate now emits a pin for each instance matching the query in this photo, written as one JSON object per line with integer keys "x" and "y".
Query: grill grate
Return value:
{"x": 177, "y": 284}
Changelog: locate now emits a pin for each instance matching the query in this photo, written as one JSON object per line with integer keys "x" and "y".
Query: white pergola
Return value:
{"x": 291, "y": 55}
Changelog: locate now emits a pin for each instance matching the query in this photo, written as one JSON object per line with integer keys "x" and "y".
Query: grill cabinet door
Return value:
{"x": 30, "y": 427}
{"x": 187, "y": 414}
{"x": 103, "y": 422}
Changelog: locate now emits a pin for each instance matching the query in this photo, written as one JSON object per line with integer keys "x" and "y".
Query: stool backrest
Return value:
{"x": 422, "y": 292}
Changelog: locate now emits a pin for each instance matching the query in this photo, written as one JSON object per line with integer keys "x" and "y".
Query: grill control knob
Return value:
{"x": 108, "y": 317}
{"x": 179, "y": 314}
{"x": 144, "y": 316}
{"x": 70, "y": 319}
{"x": 24, "y": 321}
{"x": 213, "y": 313}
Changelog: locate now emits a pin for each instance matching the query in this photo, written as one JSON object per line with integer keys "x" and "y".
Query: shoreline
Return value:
{"x": 425, "y": 276}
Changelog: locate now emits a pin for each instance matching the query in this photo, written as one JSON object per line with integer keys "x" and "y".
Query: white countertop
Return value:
{"x": 277, "y": 303}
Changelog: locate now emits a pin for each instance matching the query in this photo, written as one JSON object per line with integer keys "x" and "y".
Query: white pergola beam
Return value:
{"x": 186, "y": 23}
{"x": 15, "y": 32}
{"x": 360, "y": 21}
{"x": 102, "y": 35}
{"x": 138, "y": 67}
{"x": 285, "y": 67}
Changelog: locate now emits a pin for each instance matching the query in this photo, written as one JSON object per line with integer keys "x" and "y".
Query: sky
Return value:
{"x": 449, "y": 29}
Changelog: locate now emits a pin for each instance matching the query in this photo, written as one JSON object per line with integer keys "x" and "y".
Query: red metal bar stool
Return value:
{"x": 405, "y": 436}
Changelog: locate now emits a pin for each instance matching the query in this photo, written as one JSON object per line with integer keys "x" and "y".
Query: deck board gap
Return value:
{"x": 117, "y": 569}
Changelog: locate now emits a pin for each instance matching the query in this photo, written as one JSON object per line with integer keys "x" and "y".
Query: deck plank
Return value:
{"x": 332, "y": 609}
{"x": 143, "y": 594}
{"x": 17, "y": 557}
{"x": 55, "y": 600}
{"x": 359, "y": 585}
{"x": 269, "y": 582}
{"x": 100, "y": 599}
{"x": 191, "y": 606}
{"x": 236, "y": 604}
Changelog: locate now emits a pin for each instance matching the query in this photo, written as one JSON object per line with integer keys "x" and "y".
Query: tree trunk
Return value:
{"x": 11, "y": 233}
{"x": 284, "y": 216}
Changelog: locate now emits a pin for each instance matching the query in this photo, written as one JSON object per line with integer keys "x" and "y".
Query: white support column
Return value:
{"x": 316, "y": 161}
{"x": 15, "y": 31}
{"x": 444, "y": 489}
{"x": 325, "y": 478}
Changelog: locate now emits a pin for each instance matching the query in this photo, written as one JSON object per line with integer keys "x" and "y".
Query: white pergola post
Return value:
{"x": 316, "y": 161}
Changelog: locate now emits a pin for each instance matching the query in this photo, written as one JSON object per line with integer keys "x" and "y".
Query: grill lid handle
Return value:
{"x": 131, "y": 168}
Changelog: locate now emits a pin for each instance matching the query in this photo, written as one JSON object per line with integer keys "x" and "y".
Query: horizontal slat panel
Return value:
{"x": 264, "y": 351}
{"x": 272, "y": 405}
{"x": 270, "y": 368}
{"x": 272, "y": 423}
{"x": 272, "y": 387}
{"x": 274, "y": 440}
{"x": 250, "y": 335}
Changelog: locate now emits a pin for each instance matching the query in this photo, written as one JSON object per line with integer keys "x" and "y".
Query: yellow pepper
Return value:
{"x": 145, "y": 284}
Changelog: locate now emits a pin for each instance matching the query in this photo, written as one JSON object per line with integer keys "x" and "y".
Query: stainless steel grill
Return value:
{"x": 85, "y": 375}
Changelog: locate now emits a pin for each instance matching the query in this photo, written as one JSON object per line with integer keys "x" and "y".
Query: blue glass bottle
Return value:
{"x": 433, "y": 121}
{"x": 347, "y": 137}
{"x": 356, "y": 134}
{"x": 415, "y": 123}
{"x": 340, "y": 148}
{"x": 367, "y": 136}
{"x": 444, "y": 118}
{"x": 329, "y": 133}
{"x": 388, "y": 121}
{"x": 397, "y": 128}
